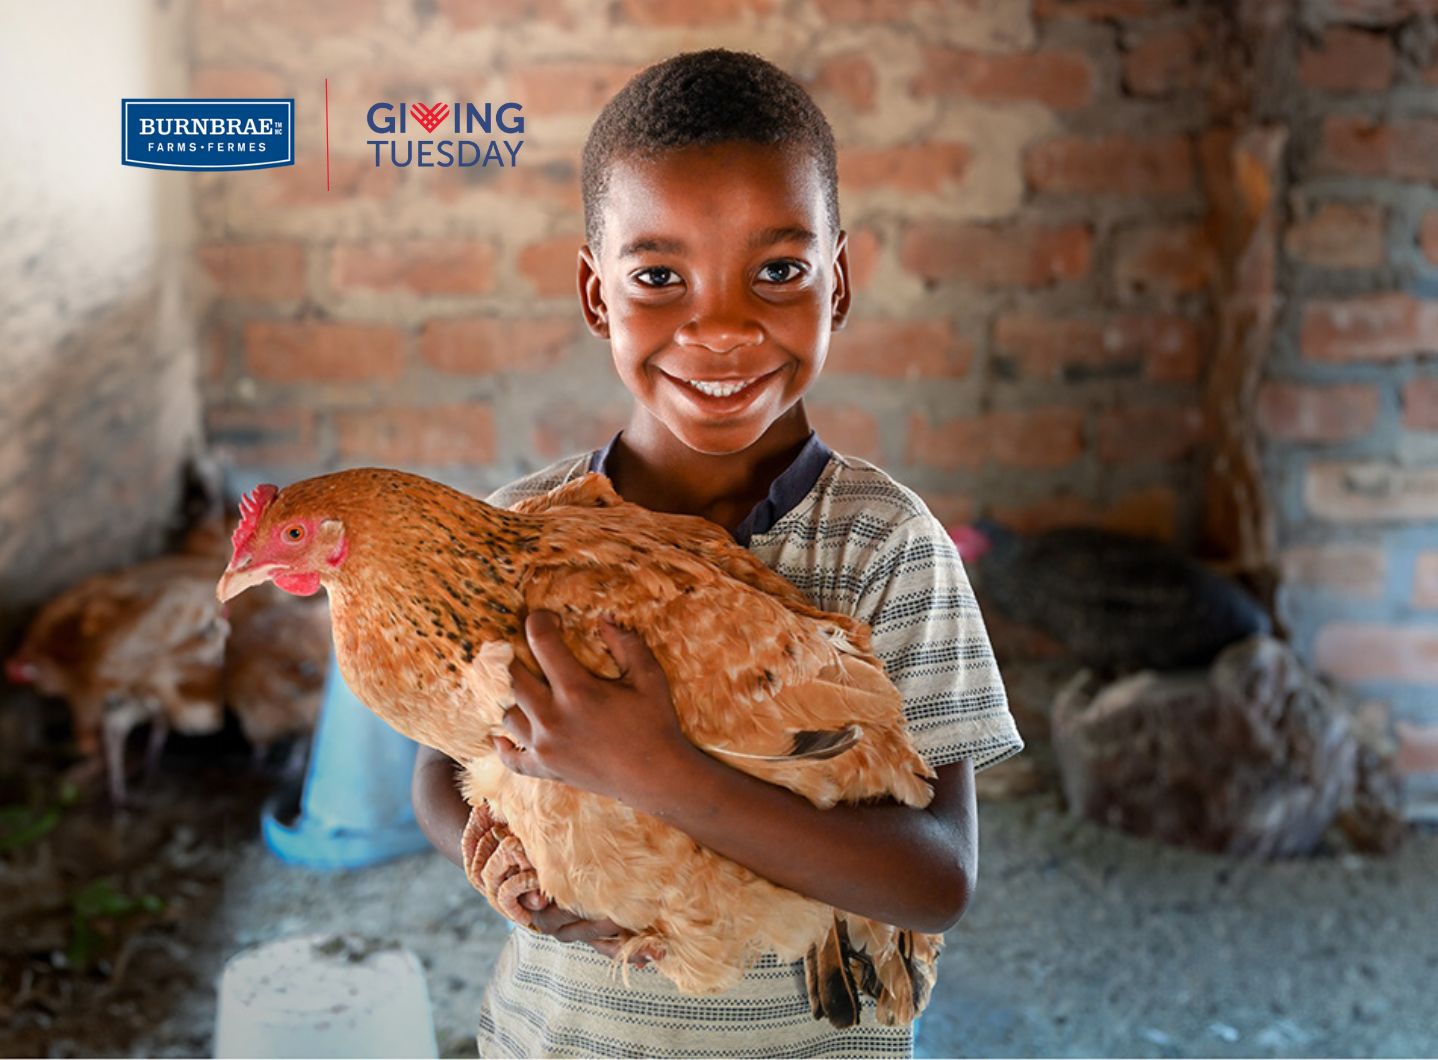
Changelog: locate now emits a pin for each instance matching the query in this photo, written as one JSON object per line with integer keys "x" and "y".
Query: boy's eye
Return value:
{"x": 656, "y": 276}
{"x": 781, "y": 271}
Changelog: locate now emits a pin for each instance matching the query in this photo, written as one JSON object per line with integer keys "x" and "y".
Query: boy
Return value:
{"x": 716, "y": 268}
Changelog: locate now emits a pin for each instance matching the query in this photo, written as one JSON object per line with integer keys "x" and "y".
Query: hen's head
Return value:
{"x": 284, "y": 537}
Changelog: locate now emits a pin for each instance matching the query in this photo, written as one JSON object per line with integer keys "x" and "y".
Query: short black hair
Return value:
{"x": 701, "y": 98}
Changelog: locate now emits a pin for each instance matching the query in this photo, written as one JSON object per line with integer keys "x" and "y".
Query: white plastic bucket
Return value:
{"x": 324, "y": 996}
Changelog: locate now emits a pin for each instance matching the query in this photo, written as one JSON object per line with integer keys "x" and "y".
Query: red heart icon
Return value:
{"x": 429, "y": 117}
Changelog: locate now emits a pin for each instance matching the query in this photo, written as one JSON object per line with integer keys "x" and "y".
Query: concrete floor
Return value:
{"x": 1080, "y": 942}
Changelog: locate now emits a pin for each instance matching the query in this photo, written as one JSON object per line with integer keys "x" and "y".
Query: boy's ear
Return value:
{"x": 591, "y": 294}
{"x": 840, "y": 313}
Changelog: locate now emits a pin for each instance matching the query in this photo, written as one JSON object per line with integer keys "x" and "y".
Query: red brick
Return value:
{"x": 863, "y": 247}
{"x": 1369, "y": 651}
{"x": 1147, "y": 513}
{"x": 1024, "y": 438}
{"x": 1138, "y": 434}
{"x": 1403, "y": 150}
{"x": 950, "y": 509}
{"x": 439, "y": 435}
{"x": 1050, "y": 513}
{"x": 1420, "y": 404}
{"x": 1060, "y": 79}
{"x": 466, "y": 14}
{"x": 569, "y": 87}
{"x": 693, "y": 12}
{"x": 551, "y": 181}
{"x": 1300, "y": 412}
{"x": 1358, "y": 571}
{"x": 847, "y": 429}
{"x": 1349, "y": 60}
{"x": 1111, "y": 165}
{"x": 1101, "y": 10}
{"x": 1372, "y": 327}
{"x": 302, "y": 185}
{"x": 1371, "y": 492}
{"x": 226, "y": 82}
{"x": 918, "y": 168}
{"x": 309, "y": 21}
{"x": 998, "y": 255}
{"x": 423, "y": 266}
{"x": 564, "y": 427}
{"x": 918, "y": 349}
{"x": 874, "y": 10}
{"x": 1340, "y": 235}
{"x": 1428, "y": 236}
{"x": 1417, "y": 748}
{"x": 1158, "y": 348}
{"x": 1164, "y": 260}
{"x": 851, "y": 78}
{"x": 251, "y": 435}
{"x": 953, "y": 445}
{"x": 1166, "y": 61}
{"x": 323, "y": 352}
{"x": 1151, "y": 512}
{"x": 552, "y": 265}
{"x": 270, "y": 271}
{"x": 486, "y": 345}
{"x": 1036, "y": 438}
{"x": 1425, "y": 580}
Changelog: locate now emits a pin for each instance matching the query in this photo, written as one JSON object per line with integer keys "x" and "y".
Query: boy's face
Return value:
{"x": 717, "y": 264}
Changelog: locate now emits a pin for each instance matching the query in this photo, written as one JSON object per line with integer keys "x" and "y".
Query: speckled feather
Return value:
{"x": 428, "y": 610}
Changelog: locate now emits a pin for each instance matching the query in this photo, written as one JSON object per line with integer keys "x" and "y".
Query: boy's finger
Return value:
{"x": 551, "y": 919}
{"x": 541, "y": 630}
{"x": 629, "y": 649}
{"x": 510, "y": 756}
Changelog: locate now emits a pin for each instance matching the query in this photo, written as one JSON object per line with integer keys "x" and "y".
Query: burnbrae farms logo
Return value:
{"x": 207, "y": 133}
{"x": 440, "y": 134}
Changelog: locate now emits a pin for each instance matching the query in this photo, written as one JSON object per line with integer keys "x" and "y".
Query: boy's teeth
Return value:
{"x": 720, "y": 389}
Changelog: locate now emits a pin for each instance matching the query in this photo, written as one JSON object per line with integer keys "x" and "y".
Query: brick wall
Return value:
{"x": 98, "y": 398}
{"x": 1019, "y": 186}
{"x": 1103, "y": 251}
{"x": 1349, "y": 408}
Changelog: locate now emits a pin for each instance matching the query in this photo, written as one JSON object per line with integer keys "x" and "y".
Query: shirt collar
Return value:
{"x": 790, "y": 487}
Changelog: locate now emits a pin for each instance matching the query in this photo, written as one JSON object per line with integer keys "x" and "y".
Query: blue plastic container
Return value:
{"x": 355, "y": 809}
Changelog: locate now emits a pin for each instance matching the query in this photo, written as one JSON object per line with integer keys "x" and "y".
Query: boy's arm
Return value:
{"x": 439, "y": 808}
{"x": 620, "y": 738}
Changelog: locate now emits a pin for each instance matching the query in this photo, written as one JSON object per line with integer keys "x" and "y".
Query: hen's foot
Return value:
{"x": 497, "y": 867}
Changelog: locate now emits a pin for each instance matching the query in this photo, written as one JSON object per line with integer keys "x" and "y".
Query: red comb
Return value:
{"x": 252, "y": 506}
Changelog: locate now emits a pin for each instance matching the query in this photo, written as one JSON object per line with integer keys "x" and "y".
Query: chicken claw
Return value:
{"x": 497, "y": 866}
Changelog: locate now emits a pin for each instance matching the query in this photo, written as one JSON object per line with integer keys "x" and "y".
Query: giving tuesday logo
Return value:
{"x": 219, "y": 134}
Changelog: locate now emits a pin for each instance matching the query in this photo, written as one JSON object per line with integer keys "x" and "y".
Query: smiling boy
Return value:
{"x": 716, "y": 269}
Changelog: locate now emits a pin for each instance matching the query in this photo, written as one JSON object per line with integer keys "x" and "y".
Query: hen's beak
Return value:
{"x": 20, "y": 671}
{"x": 242, "y": 575}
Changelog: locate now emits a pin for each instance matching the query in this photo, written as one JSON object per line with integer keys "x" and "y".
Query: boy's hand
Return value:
{"x": 615, "y": 737}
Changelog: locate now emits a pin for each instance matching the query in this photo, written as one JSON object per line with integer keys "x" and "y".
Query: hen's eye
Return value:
{"x": 657, "y": 276}
{"x": 295, "y": 533}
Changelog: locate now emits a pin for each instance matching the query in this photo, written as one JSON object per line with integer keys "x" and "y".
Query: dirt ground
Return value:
{"x": 1080, "y": 941}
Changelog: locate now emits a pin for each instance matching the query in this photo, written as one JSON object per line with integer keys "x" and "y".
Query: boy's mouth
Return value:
{"x": 722, "y": 389}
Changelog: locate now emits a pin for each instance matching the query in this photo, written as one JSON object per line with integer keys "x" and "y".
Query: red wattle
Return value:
{"x": 299, "y": 584}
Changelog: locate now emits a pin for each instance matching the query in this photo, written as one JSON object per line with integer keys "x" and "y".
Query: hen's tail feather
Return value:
{"x": 813, "y": 744}
{"x": 829, "y": 975}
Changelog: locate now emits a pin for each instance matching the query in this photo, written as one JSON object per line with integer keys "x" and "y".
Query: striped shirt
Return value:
{"x": 854, "y": 541}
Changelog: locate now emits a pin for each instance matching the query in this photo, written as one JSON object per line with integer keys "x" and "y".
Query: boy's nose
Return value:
{"x": 720, "y": 332}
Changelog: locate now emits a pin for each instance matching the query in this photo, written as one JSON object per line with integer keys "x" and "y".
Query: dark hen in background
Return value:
{"x": 1118, "y": 603}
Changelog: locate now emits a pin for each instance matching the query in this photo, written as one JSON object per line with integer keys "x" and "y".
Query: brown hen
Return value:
{"x": 428, "y": 591}
{"x": 145, "y": 643}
